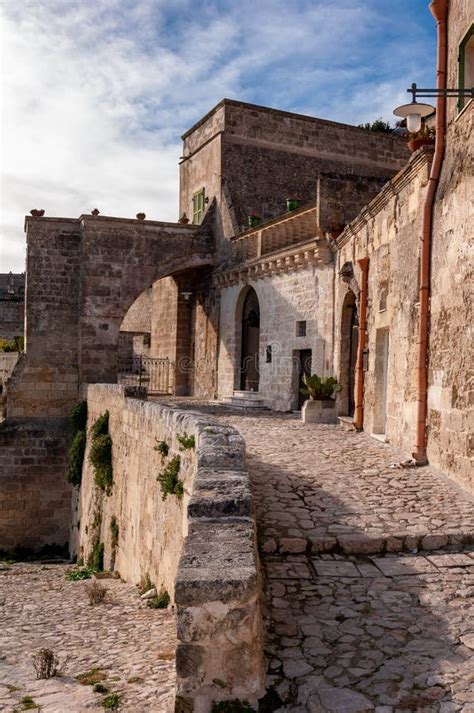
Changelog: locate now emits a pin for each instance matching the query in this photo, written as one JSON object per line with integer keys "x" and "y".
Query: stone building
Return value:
{"x": 241, "y": 296}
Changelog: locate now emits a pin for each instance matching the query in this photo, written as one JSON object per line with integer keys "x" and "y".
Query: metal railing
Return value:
{"x": 156, "y": 375}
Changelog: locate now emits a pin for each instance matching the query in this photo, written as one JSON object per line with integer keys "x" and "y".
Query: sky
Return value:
{"x": 95, "y": 94}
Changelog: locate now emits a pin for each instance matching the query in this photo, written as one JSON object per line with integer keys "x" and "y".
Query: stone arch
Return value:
{"x": 83, "y": 275}
{"x": 347, "y": 353}
{"x": 247, "y": 339}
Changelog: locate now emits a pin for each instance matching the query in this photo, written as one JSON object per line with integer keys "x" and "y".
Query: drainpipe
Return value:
{"x": 439, "y": 10}
{"x": 359, "y": 376}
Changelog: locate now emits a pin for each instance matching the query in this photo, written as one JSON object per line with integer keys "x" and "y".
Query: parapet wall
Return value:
{"x": 201, "y": 548}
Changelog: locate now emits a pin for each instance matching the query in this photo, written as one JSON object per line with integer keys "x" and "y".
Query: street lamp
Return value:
{"x": 415, "y": 111}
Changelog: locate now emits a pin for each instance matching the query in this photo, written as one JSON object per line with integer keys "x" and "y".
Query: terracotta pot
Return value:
{"x": 415, "y": 144}
{"x": 319, "y": 411}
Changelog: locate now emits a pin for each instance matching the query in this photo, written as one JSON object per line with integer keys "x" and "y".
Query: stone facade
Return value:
{"x": 35, "y": 497}
{"x": 450, "y": 394}
{"x": 201, "y": 549}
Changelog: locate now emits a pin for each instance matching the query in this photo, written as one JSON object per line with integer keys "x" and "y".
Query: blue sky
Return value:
{"x": 96, "y": 93}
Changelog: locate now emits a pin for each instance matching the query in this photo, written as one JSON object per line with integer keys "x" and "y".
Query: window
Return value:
{"x": 301, "y": 328}
{"x": 466, "y": 65}
{"x": 268, "y": 353}
{"x": 198, "y": 206}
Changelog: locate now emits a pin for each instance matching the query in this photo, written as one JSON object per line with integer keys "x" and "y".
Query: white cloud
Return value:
{"x": 95, "y": 94}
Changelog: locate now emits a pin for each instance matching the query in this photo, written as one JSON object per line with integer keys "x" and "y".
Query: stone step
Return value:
{"x": 246, "y": 395}
{"x": 360, "y": 544}
{"x": 243, "y": 403}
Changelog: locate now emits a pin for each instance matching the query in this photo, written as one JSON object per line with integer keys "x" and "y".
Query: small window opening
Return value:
{"x": 301, "y": 328}
{"x": 268, "y": 358}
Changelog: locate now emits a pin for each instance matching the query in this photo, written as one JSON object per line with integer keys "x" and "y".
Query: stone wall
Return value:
{"x": 35, "y": 497}
{"x": 284, "y": 299}
{"x": 201, "y": 549}
{"x": 450, "y": 394}
{"x": 387, "y": 232}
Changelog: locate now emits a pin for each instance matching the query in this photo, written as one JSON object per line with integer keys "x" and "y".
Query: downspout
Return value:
{"x": 359, "y": 375}
{"x": 439, "y": 10}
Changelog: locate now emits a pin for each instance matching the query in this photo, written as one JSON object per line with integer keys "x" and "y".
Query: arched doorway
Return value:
{"x": 250, "y": 342}
{"x": 349, "y": 339}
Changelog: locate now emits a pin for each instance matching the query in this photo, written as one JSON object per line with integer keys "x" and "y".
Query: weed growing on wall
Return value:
{"x": 76, "y": 458}
{"x": 95, "y": 561}
{"x": 78, "y": 416}
{"x": 100, "y": 427}
{"x": 114, "y": 531}
{"x": 169, "y": 481}
{"x": 185, "y": 442}
{"x": 161, "y": 601}
{"x": 28, "y": 704}
{"x": 162, "y": 447}
{"x": 100, "y": 454}
{"x": 78, "y": 419}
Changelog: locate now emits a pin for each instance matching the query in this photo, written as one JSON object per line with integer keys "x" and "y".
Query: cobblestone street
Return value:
{"x": 369, "y": 571}
{"x": 347, "y": 629}
{"x": 132, "y": 645}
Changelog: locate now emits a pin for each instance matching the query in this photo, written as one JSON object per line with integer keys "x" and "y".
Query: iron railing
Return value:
{"x": 156, "y": 375}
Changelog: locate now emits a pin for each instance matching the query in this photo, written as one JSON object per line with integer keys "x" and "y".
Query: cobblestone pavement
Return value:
{"x": 132, "y": 644}
{"x": 369, "y": 571}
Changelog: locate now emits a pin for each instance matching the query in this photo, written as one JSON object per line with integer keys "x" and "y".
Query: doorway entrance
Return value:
{"x": 349, "y": 339}
{"x": 381, "y": 380}
{"x": 303, "y": 366}
{"x": 250, "y": 343}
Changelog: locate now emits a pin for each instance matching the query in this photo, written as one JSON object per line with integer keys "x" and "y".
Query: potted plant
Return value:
{"x": 292, "y": 204}
{"x": 254, "y": 220}
{"x": 424, "y": 137}
{"x": 320, "y": 407}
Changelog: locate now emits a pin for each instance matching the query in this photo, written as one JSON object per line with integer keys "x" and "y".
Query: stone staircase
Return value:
{"x": 244, "y": 400}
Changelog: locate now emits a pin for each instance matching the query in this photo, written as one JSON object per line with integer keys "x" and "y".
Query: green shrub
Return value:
{"x": 78, "y": 573}
{"x": 185, "y": 442}
{"x": 28, "y": 704}
{"x": 78, "y": 416}
{"x": 95, "y": 561}
{"x": 161, "y": 601}
{"x": 163, "y": 448}
{"x": 100, "y": 427}
{"x": 169, "y": 481}
{"x": 76, "y": 458}
{"x": 114, "y": 529}
{"x": 17, "y": 344}
{"x": 100, "y": 456}
{"x": 320, "y": 388}
{"x": 111, "y": 702}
